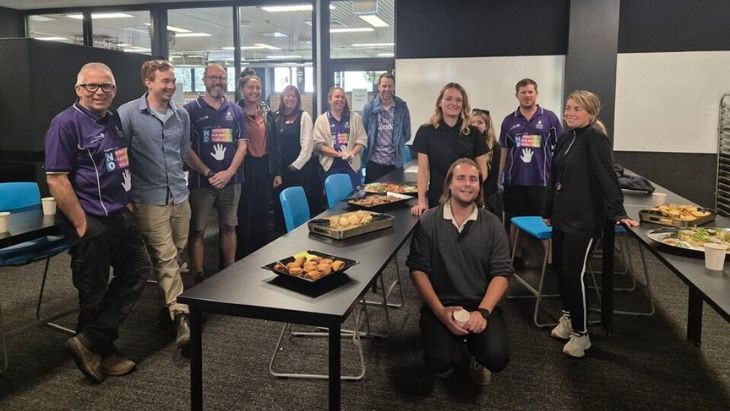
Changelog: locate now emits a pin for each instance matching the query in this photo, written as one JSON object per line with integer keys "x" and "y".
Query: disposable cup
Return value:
{"x": 49, "y": 205}
{"x": 715, "y": 256}
{"x": 4, "y": 217}
{"x": 658, "y": 199}
{"x": 461, "y": 317}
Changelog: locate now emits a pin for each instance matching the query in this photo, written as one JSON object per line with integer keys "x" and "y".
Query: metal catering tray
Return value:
{"x": 654, "y": 216}
{"x": 321, "y": 226}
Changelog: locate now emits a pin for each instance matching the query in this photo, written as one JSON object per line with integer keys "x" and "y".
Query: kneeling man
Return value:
{"x": 459, "y": 260}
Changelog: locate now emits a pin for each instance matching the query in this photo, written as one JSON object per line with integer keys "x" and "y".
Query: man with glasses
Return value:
{"x": 218, "y": 138}
{"x": 388, "y": 125}
{"x": 528, "y": 138}
{"x": 158, "y": 134}
{"x": 87, "y": 171}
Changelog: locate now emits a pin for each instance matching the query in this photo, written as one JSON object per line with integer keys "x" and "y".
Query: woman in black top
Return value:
{"x": 492, "y": 197}
{"x": 447, "y": 137}
{"x": 583, "y": 191}
{"x": 298, "y": 166}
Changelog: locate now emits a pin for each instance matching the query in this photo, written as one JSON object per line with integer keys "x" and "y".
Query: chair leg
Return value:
{"x": 48, "y": 321}
{"x": 2, "y": 343}
{"x": 391, "y": 288}
{"x": 539, "y": 295}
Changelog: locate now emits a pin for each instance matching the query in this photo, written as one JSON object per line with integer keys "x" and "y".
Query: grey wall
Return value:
{"x": 12, "y": 23}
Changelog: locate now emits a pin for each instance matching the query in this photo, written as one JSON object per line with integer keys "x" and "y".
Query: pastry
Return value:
{"x": 338, "y": 265}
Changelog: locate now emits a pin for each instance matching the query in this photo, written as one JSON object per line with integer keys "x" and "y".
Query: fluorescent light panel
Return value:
{"x": 51, "y": 38}
{"x": 374, "y": 20}
{"x": 385, "y": 54}
{"x": 373, "y": 45}
{"x": 173, "y": 28}
{"x": 40, "y": 18}
{"x": 352, "y": 30}
{"x": 101, "y": 16}
{"x": 275, "y": 56}
{"x": 292, "y": 7}
{"x": 256, "y": 46}
{"x": 178, "y": 35}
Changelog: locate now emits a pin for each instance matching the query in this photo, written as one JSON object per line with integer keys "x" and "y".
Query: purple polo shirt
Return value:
{"x": 531, "y": 145}
{"x": 92, "y": 150}
{"x": 214, "y": 135}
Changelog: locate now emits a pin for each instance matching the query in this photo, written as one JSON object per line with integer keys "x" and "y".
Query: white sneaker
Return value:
{"x": 577, "y": 345}
{"x": 563, "y": 329}
{"x": 479, "y": 375}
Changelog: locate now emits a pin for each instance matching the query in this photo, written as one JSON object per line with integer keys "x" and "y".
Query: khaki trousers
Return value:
{"x": 165, "y": 230}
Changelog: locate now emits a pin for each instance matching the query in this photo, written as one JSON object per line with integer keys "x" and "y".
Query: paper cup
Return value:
{"x": 715, "y": 256}
{"x": 4, "y": 217}
{"x": 461, "y": 317}
{"x": 49, "y": 205}
{"x": 658, "y": 199}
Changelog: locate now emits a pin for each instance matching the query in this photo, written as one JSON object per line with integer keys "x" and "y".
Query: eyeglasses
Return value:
{"x": 92, "y": 87}
{"x": 217, "y": 78}
{"x": 479, "y": 110}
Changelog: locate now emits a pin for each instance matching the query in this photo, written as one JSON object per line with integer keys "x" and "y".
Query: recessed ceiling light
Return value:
{"x": 266, "y": 46}
{"x": 292, "y": 7}
{"x": 373, "y": 45}
{"x": 173, "y": 28}
{"x": 51, "y": 38}
{"x": 278, "y": 57}
{"x": 374, "y": 20}
{"x": 137, "y": 50}
{"x": 178, "y": 35}
{"x": 352, "y": 30}
{"x": 101, "y": 16}
{"x": 385, "y": 55}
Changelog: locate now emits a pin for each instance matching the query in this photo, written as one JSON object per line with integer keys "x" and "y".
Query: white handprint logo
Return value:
{"x": 527, "y": 155}
{"x": 219, "y": 152}
{"x": 127, "y": 183}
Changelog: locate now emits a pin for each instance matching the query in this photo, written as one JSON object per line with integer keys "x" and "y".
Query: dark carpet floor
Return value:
{"x": 645, "y": 364}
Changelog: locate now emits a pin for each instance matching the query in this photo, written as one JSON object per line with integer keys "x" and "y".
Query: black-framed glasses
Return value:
{"x": 479, "y": 110}
{"x": 92, "y": 87}
{"x": 217, "y": 78}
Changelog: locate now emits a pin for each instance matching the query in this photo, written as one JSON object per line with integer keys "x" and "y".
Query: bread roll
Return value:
{"x": 325, "y": 268}
{"x": 292, "y": 264}
{"x": 344, "y": 222}
{"x": 310, "y": 265}
{"x": 326, "y": 261}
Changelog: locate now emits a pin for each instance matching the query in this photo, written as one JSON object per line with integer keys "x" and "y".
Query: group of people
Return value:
{"x": 118, "y": 178}
{"x": 460, "y": 256}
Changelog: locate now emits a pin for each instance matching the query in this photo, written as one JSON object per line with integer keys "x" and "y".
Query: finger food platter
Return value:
{"x": 382, "y": 188}
{"x": 385, "y": 201}
{"x": 310, "y": 266}
{"x": 677, "y": 215}
{"x": 351, "y": 224}
{"x": 690, "y": 238}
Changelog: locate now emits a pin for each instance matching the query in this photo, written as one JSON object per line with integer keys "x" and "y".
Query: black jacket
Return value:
{"x": 583, "y": 190}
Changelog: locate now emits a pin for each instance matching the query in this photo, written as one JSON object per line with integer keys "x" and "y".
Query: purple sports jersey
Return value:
{"x": 531, "y": 145}
{"x": 93, "y": 152}
{"x": 214, "y": 135}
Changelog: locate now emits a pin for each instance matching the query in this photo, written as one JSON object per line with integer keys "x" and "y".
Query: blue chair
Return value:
{"x": 294, "y": 207}
{"x": 14, "y": 197}
{"x": 337, "y": 187}
{"x": 407, "y": 155}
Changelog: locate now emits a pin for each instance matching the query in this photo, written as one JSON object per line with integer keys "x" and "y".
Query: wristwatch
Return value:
{"x": 485, "y": 313}
{"x": 210, "y": 174}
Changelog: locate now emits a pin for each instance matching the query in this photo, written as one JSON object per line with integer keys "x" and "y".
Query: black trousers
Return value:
{"x": 442, "y": 350}
{"x": 254, "y": 205}
{"x": 112, "y": 241}
{"x": 570, "y": 256}
{"x": 374, "y": 171}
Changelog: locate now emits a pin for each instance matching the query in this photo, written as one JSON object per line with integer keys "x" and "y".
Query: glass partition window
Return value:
{"x": 197, "y": 37}
{"x": 273, "y": 34}
{"x": 57, "y": 27}
{"x": 362, "y": 33}
{"x": 126, "y": 31}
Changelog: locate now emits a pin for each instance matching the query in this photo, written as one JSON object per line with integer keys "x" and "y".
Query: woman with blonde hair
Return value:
{"x": 482, "y": 120}
{"x": 446, "y": 137}
{"x": 582, "y": 192}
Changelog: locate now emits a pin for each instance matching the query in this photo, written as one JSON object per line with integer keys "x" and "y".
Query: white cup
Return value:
{"x": 715, "y": 256}
{"x": 4, "y": 218}
{"x": 49, "y": 205}
{"x": 461, "y": 317}
{"x": 658, "y": 199}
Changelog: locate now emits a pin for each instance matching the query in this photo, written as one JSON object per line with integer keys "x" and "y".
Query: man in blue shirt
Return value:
{"x": 87, "y": 170}
{"x": 158, "y": 134}
{"x": 388, "y": 125}
{"x": 218, "y": 137}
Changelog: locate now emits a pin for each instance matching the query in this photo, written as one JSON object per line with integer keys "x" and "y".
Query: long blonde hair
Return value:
{"x": 489, "y": 133}
{"x": 438, "y": 115}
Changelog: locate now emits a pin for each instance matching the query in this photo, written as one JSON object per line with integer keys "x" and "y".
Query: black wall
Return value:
{"x": 12, "y": 23}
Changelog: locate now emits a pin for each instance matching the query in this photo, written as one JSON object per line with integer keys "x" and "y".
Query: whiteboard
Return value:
{"x": 669, "y": 102}
{"x": 489, "y": 83}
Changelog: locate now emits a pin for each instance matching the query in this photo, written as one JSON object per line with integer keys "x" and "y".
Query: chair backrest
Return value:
{"x": 407, "y": 155}
{"x": 294, "y": 206}
{"x": 19, "y": 195}
{"x": 337, "y": 187}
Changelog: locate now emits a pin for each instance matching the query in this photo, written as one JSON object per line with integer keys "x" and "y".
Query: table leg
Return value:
{"x": 196, "y": 361}
{"x": 334, "y": 367}
{"x": 694, "y": 317}
{"x": 607, "y": 278}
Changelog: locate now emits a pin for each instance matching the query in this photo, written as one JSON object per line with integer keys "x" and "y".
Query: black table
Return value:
{"x": 244, "y": 289}
{"x": 27, "y": 224}
{"x": 704, "y": 285}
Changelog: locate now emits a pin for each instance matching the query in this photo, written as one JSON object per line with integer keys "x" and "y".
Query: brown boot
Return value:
{"x": 86, "y": 360}
{"x": 182, "y": 326}
{"x": 115, "y": 365}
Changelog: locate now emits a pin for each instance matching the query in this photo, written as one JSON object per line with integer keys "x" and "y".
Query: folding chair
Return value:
{"x": 13, "y": 197}
{"x": 337, "y": 187}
